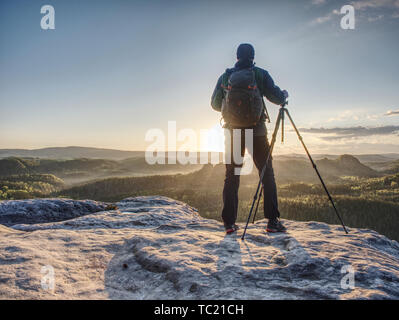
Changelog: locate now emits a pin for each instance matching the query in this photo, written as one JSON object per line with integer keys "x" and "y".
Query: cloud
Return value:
{"x": 376, "y": 18}
{"x": 323, "y": 19}
{"x": 373, "y": 10}
{"x": 351, "y": 132}
{"x": 389, "y": 7}
{"x": 366, "y": 4}
{"x": 318, "y": 2}
{"x": 374, "y": 6}
{"x": 320, "y": 20}
{"x": 392, "y": 113}
{"x": 345, "y": 115}
{"x": 354, "y": 115}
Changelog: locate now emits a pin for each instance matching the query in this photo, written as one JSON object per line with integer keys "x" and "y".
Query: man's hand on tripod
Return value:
{"x": 285, "y": 92}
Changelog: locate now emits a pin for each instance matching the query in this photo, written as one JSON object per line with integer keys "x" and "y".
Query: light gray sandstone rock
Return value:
{"x": 159, "y": 248}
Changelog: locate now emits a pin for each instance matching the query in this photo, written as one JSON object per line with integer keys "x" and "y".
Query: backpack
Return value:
{"x": 242, "y": 105}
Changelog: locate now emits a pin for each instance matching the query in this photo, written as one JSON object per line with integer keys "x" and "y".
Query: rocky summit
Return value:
{"x": 159, "y": 248}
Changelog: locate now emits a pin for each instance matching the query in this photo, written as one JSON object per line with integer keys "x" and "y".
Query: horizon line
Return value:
{"x": 177, "y": 151}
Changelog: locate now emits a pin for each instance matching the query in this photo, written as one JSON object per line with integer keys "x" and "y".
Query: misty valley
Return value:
{"x": 365, "y": 187}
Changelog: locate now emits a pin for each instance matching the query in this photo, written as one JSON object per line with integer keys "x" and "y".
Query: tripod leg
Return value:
{"x": 257, "y": 205}
{"x": 317, "y": 171}
{"x": 282, "y": 127}
{"x": 263, "y": 170}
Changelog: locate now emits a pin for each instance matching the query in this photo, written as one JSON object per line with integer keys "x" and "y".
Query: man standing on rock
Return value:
{"x": 230, "y": 90}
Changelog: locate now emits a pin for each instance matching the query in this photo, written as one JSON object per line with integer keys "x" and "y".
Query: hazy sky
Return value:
{"x": 111, "y": 70}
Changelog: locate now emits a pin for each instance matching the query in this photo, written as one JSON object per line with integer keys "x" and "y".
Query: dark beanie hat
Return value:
{"x": 245, "y": 51}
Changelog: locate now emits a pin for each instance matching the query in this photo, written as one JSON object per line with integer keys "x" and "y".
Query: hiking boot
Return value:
{"x": 275, "y": 225}
{"x": 231, "y": 229}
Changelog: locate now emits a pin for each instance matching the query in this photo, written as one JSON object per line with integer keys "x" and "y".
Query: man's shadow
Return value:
{"x": 230, "y": 271}
{"x": 241, "y": 264}
{"x": 229, "y": 252}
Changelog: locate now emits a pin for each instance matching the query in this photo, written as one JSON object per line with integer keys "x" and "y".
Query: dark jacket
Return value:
{"x": 266, "y": 87}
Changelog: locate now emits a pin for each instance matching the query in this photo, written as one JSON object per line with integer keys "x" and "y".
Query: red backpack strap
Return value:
{"x": 225, "y": 80}
{"x": 258, "y": 78}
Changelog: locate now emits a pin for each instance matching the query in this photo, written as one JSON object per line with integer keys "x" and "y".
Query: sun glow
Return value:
{"x": 213, "y": 139}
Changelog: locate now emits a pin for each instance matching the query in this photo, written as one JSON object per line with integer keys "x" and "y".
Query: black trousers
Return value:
{"x": 232, "y": 181}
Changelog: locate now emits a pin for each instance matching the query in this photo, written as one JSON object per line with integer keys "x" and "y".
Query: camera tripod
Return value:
{"x": 280, "y": 120}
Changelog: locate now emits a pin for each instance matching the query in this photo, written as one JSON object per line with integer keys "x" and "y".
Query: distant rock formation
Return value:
{"x": 159, "y": 248}
{"x": 346, "y": 165}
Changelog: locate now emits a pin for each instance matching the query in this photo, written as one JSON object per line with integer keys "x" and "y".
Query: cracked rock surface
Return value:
{"x": 159, "y": 248}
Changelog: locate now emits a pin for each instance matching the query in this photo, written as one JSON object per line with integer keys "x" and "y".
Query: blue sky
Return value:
{"x": 112, "y": 70}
